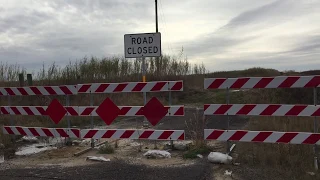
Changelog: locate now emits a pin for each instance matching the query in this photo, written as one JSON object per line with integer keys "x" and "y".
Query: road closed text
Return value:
{"x": 143, "y": 45}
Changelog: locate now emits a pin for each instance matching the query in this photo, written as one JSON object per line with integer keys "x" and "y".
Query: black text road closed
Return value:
{"x": 142, "y": 45}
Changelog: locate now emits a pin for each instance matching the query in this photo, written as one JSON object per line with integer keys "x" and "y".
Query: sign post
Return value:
{"x": 140, "y": 46}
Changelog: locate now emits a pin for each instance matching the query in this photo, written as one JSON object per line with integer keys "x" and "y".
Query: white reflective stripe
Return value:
{"x": 42, "y": 90}
{"x": 99, "y": 133}
{"x": 302, "y": 81}
{"x": 94, "y": 86}
{"x": 251, "y": 82}
{"x": 3, "y": 91}
{"x": 176, "y": 134}
{"x": 207, "y": 132}
{"x": 309, "y": 110}
{"x": 21, "y": 110}
{"x": 282, "y": 110}
{"x": 29, "y": 91}
{"x": 129, "y": 87}
{"x": 8, "y": 108}
{"x": 234, "y": 109}
{"x": 299, "y": 138}
{"x": 72, "y": 88}
{"x": 15, "y": 130}
{"x": 27, "y": 131}
{"x": 208, "y": 82}
{"x": 155, "y": 135}
{"x": 174, "y": 109}
{"x": 228, "y": 83}
{"x": 111, "y": 87}
{"x": 211, "y": 109}
{"x": 83, "y": 132}
{"x": 273, "y": 137}
{"x": 249, "y": 136}
{"x": 40, "y": 131}
{"x": 276, "y": 82}
{"x": 118, "y": 133}
{"x": 4, "y": 130}
{"x": 57, "y": 90}
{"x": 133, "y": 110}
{"x": 148, "y": 87}
{"x": 135, "y": 135}
{"x": 173, "y": 83}
{"x": 225, "y": 135}
{"x": 15, "y": 91}
{"x": 258, "y": 109}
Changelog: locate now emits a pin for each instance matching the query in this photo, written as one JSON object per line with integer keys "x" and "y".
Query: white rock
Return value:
{"x": 157, "y": 153}
{"x": 217, "y": 157}
{"x": 95, "y": 158}
{"x": 199, "y": 156}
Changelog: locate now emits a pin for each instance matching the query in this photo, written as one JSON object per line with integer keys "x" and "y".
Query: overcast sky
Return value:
{"x": 223, "y": 34}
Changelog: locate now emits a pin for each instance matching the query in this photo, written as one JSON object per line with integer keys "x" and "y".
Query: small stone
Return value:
{"x": 311, "y": 173}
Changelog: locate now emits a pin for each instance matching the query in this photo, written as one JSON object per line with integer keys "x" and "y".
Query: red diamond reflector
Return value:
{"x": 154, "y": 111}
{"x": 56, "y": 111}
{"x": 108, "y": 111}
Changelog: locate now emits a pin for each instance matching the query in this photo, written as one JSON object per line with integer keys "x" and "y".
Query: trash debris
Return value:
{"x": 30, "y": 139}
{"x": 228, "y": 173}
{"x": 157, "y": 154}
{"x": 231, "y": 149}
{"x": 199, "y": 156}
{"x": 95, "y": 158}
{"x": 217, "y": 157}
{"x": 180, "y": 145}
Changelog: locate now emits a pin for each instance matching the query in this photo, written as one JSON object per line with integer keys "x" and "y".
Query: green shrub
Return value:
{"x": 106, "y": 149}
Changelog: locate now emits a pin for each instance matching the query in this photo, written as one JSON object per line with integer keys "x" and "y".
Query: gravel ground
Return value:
{"x": 117, "y": 170}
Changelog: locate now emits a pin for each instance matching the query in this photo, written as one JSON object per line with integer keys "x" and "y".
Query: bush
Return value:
{"x": 106, "y": 149}
{"x": 193, "y": 152}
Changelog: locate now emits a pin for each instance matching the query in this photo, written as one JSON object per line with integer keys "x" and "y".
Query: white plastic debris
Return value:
{"x": 95, "y": 158}
{"x": 199, "y": 156}
{"x": 30, "y": 139}
{"x": 157, "y": 154}
{"x": 217, "y": 157}
{"x": 228, "y": 173}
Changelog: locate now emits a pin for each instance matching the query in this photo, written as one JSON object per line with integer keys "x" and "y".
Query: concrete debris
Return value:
{"x": 134, "y": 144}
{"x": 180, "y": 145}
{"x": 217, "y": 157}
{"x": 228, "y": 173}
{"x": 29, "y": 139}
{"x": 1, "y": 146}
{"x": 199, "y": 156}
{"x": 157, "y": 154}
{"x": 95, "y": 158}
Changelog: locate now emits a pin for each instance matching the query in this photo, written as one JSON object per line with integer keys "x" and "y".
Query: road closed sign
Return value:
{"x": 142, "y": 45}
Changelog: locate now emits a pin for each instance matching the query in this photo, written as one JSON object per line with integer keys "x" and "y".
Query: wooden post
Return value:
{"x": 21, "y": 79}
{"x": 29, "y": 79}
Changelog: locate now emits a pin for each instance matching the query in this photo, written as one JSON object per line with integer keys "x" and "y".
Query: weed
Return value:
{"x": 106, "y": 149}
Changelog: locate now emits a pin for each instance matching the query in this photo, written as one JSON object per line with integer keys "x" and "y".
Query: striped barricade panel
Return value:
{"x": 262, "y": 136}
{"x": 176, "y": 110}
{"x": 39, "y": 90}
{"x": 133, "y": 134}
{"x": 261, "y": 109}
{"x": 157, "y": 86}
{"x": 262, "y": 82}
{"x": 41, "y": 131}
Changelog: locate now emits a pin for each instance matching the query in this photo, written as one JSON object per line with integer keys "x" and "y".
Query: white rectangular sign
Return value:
{"x": 142, "y": 45}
